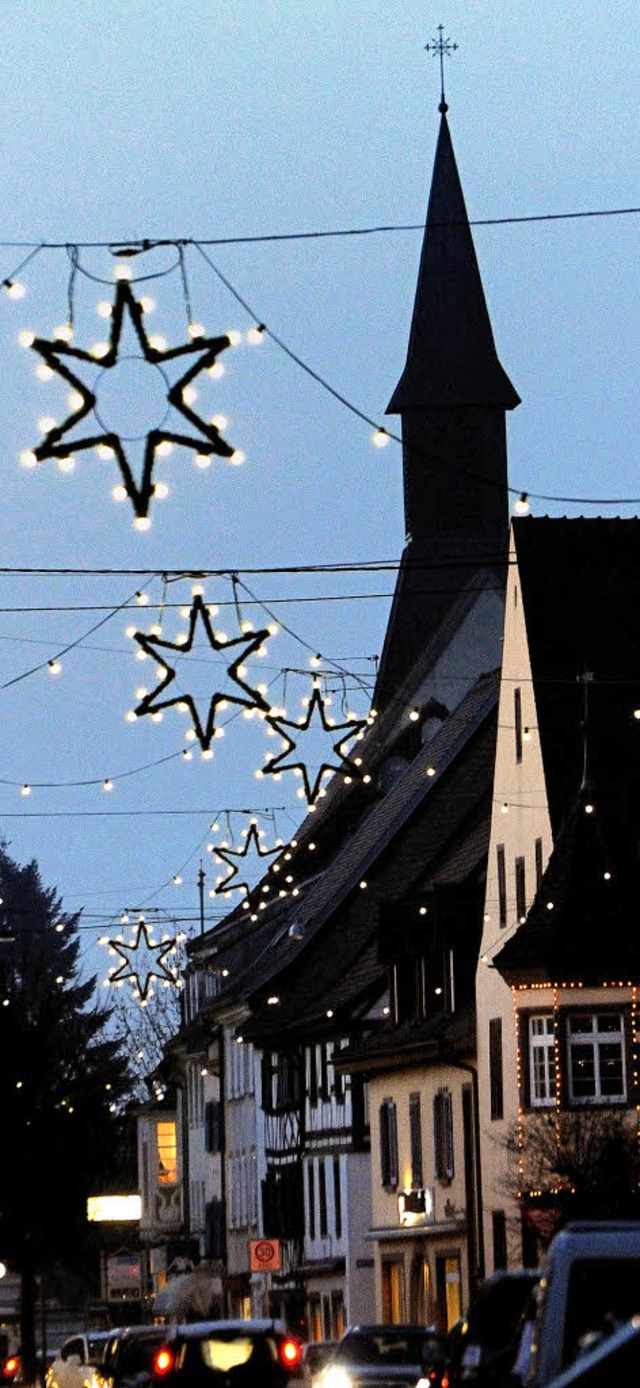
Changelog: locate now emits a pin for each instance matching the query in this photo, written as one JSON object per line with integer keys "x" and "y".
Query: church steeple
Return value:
{"x": 452, "y": 397}
{"x": 452, "y": 358}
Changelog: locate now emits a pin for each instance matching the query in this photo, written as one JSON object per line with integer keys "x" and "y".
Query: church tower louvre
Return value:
{"x": 452, "y": 399}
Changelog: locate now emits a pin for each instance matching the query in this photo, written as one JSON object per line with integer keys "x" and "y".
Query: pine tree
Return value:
{"x": 63, "y": 1083}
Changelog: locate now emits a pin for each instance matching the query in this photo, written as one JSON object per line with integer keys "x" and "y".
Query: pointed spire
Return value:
{"x": 452, "y": 358}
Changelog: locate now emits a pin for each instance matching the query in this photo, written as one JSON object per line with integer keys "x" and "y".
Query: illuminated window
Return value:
{"x": 167, "y": 1154}
{"x": 542, "y": 1073}
{"x": 596, "y": 1058}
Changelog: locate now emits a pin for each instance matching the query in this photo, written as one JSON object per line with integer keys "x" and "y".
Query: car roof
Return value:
{"x": 195, "y": 1328}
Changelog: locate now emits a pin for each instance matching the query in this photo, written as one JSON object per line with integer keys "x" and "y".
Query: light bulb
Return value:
{"x": 216, "y": 370}
{"x": 158, "y": 342}
{"x": 237, "y": 457}
{"x": 189, "y": 395}
{"x": 196, "y": 330}
{"x": 55, "y": 667}
{"x": 43, "y": 372}
{"x": 202, "y": 460}
{"x": 234, "y": 337}
{"x": 15, "y": 290}
{"x": 219, "y": 421}
{"x": 99, "y": 349}
{"x": 123, "y": 272}
{"x": 142, "y": 523}
{"x": 105, "y": 309}
{"x": 66, "y": 464}
{"x": 75, "y": 400}
{"x": 164, "y": 448}
{"x": 46, "y": 423}
{"x": 25, "y": 790}
{"x": 142, "y": 599}
{"x": 380, "y": 438}
{"x": 107, "y": 784}
{"x": 147, "y": 304}
{"x": 177, "y": 880}
{"x": 522, "y": 506}
{"x": 26, "y": 337}
{"x": 28, "y": 458}
{"x": 63, "y": 333}
{"x": 104, "y": 451}
{"x": 160, "y": 490}
{"x": 119, "y": 493}
{"x": 255, "y": 335}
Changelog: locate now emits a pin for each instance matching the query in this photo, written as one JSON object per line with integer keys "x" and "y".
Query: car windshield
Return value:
{"x": 226, "y": 1352}
{"x": 384, "y": 1347}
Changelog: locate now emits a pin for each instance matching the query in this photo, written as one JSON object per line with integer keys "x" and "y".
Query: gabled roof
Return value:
{"x": 584, "y": 896}
{"x": 580, "y": 590}
{"x": 425, "y": 829}
{"x": 580, "y": 582}
{"x": 452, "y": 358}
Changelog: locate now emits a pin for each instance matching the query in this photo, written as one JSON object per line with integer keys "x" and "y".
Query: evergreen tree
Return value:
{"x": 63, "y": 1083}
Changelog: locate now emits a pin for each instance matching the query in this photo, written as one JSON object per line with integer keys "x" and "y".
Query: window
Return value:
{"x": 521, "y": 889}
{"x": 415, "y": 1133}
{"x": 499, "y": 1230}
{"x": 167, "y": 1154}
{"x": 542, "y": 1071}
{"x": 337, "y": 1196}
{"x": 495, "y": 1067}
{"x": 213, "y": 1126}
{"x": 517, "y": 717}
{"x": 443, "y": 1135}
{"x": 322, "y": 1198}
{"x": 596, "y": 1058}
{"x": 311, "y": 1196}
{"x": 388, "y": 1144}
{"x": 502, "y": 885}
{"x": 313, "y": 1076}
{"x": 538, "y": 860}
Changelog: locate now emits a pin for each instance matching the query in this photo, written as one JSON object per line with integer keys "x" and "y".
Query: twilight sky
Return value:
{"x": 125, "y": 119}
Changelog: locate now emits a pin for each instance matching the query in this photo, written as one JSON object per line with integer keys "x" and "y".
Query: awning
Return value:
{"x": 189, "y": 1296}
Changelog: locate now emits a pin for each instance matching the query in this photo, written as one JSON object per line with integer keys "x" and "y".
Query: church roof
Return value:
{"x": 452, "y": 358}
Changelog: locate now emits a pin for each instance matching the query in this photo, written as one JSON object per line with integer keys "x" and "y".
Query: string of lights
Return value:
{"x": 54, "y": 445}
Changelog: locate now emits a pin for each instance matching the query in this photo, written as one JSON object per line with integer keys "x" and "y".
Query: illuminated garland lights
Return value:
{"x": 250, "y": 642}
{"x": 556, "y": 988}
{"x": 352, "y": 730}
{"x": 151, "y": 964}
{"x": 380, "y": 436}
{"x": 206, "y": 439}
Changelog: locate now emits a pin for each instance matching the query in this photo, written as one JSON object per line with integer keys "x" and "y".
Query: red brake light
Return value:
{"x": 290, "y": 1353}
{"x": 163, "y": 1362}
{"x": 11, "y": 1366}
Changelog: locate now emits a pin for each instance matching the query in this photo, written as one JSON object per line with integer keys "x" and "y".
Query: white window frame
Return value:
{"x": 598, "y": 1040}
{"x": 542, "y": 1048}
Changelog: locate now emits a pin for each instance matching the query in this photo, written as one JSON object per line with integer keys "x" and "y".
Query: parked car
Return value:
{"x": 590, "y": 1286}
{"x": 233, "y": 1353}
{"x": 485, "y": 1344}
{"x": 382, "y": 1356}
{"x": 74, "y": 1364}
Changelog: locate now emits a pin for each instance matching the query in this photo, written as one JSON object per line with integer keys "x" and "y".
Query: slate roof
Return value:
{"x": 452, "y": 358}
{"x": 580, "y": 583}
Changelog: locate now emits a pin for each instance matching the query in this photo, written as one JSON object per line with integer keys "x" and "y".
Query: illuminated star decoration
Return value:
{"x": 57, "y": 443}
{"x": 150, "y": 965}
{"x": 251, "y": 852}
{"x": 341, "y": 761}
{"x": 249, "y": 642}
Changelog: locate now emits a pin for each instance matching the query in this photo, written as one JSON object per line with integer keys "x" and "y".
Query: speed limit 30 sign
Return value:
{"x": 264, "y": 1255}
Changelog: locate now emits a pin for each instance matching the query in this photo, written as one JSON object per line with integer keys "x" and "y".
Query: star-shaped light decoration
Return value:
{"x": 58, "y": 441}
{"x": 244, "y": 878}
{"x": 339, "y": 760}
{"x": 248, "y": 643}
{"x": 143, "y": 960}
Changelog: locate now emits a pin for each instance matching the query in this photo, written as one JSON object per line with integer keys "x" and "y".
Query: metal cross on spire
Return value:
{"x": 441, "y": 48}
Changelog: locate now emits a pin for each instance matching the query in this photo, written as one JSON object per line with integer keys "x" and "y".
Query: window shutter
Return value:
{"x": 415, "y": 1131}
{"x": 388, "y": 1144}
{"x": 443, "y": 1135}
{"x": 495, "y": 1067}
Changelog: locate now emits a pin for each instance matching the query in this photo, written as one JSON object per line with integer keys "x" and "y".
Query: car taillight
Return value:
{"x": 291, "y": 1353}
{"x": 163, "y": 1362}
{"x": 11, "y": 1366}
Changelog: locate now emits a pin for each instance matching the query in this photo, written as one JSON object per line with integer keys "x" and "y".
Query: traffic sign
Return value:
{"x": 264, "y": 1255}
